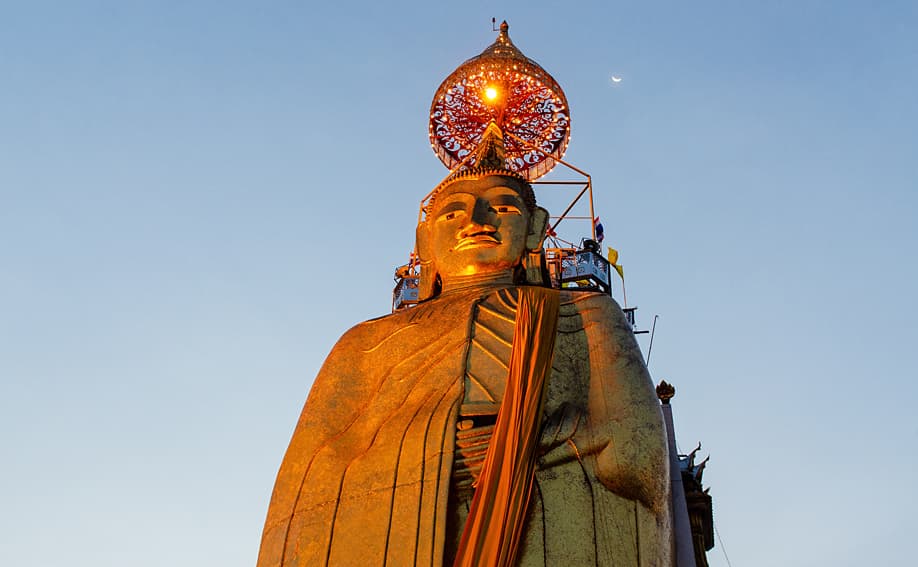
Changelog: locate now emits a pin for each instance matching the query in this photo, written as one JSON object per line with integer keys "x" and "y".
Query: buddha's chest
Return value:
{"x": 488, "y": 355}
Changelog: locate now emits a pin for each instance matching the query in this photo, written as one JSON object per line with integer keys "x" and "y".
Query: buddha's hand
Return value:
{"x": 558, "y": 429}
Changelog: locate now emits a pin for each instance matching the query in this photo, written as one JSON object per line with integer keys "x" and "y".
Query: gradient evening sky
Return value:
{"x": 197, "y": 198}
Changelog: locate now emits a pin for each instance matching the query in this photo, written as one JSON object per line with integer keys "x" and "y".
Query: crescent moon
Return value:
{"x": 616, "y": 79}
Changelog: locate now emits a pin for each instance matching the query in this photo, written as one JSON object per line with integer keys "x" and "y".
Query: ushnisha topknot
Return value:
{"x": 489, "y": 160}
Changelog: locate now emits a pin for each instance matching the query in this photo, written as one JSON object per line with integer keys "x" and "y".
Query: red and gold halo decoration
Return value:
{"x": 503, "y": 85}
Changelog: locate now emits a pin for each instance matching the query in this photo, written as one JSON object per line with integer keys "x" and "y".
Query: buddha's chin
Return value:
{"x": 478, "y": 260}
{"x": 484, "y": 269}
{"x": 482, "y": 259}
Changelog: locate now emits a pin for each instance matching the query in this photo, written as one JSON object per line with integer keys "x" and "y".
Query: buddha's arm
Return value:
{"x": 332, "y": 404}
{"x": 315, "y": 426}
{"x": 615, "y": 421}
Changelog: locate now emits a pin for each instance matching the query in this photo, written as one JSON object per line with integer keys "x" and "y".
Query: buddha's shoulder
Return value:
{"x": 451, "y": 313}
{"x": 441, "y": 313}
{"x": 592, "y": 306}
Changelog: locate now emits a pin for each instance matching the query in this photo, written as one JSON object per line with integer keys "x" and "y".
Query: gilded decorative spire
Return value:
{"x": 489, "y": 158}
{"x": 504, "y": 48}
{"x": 490, "y": 153}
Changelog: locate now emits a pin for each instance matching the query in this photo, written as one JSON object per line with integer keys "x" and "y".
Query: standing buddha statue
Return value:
{"x": 499, "y": 422}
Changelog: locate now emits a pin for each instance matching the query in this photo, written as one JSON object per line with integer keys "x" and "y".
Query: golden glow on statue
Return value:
{"x": 393, "y": 443}
{"x": 491, "y": 93}
{"x": 500, "y": 422}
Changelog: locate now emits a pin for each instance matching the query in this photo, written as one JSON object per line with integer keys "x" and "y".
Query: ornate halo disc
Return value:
{"x": 503, "y": 85}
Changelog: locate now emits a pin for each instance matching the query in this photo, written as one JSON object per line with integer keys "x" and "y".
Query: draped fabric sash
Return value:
{"x": 494, "y": 527}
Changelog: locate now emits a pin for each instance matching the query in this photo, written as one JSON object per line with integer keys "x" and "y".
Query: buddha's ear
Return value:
{"x": 428, "y": 286}
{"x": 422, "y": 241}
{"x": 538, "y": 224}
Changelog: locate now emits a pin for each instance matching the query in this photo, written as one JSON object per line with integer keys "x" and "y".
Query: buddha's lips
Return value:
{"x": 482, "y": 239}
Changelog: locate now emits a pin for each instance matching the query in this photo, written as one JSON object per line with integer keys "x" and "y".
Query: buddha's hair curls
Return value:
{"x": 526, "y": 191}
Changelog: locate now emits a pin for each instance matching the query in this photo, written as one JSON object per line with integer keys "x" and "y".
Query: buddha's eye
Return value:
{"x": 507, "y": 209}
{"x": 449, "y": 215}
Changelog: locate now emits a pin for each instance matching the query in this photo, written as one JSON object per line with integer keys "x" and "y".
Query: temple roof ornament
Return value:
{"x": 665, "y": 391}
{"x": 503, "y": 86}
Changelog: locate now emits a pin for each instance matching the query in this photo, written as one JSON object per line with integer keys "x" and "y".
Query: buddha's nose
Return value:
{"x": 483, "y": 213}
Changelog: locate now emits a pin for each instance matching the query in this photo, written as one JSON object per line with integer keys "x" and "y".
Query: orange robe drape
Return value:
{"x": 494, "y": 527}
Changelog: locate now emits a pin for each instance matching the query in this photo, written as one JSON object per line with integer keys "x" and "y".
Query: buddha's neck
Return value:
{"x": 454, "y": 283}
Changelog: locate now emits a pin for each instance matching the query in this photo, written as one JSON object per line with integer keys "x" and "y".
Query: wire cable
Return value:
{"x": 721, "y": 542}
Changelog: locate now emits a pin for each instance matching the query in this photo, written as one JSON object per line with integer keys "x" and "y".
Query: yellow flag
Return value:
{"x": 613, "y": 259}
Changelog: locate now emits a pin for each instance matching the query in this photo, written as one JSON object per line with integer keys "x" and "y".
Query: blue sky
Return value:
{"x": 198, "y": 198}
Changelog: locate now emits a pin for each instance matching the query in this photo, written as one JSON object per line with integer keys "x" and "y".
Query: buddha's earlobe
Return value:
{"x": 538, "y": 224}
{"x": 422, "y": 241}
{"x": 427, "y": 287}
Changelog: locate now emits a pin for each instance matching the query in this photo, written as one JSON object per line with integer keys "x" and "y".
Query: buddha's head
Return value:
{"x": 479, "y": 225}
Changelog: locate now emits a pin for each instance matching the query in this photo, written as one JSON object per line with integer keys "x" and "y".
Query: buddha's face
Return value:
{"x": 479, "y": 227}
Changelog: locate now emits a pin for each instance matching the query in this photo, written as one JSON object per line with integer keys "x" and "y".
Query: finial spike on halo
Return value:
{"x": 490, "y": 152}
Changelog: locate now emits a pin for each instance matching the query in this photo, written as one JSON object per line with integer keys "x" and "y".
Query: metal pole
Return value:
{"x": 571, "y": 206}
{"x": 578, "y": 170}
{"x": 593, "y": 216}
{"x": 653, "y": 330}
{"x": 624, "y": 291}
